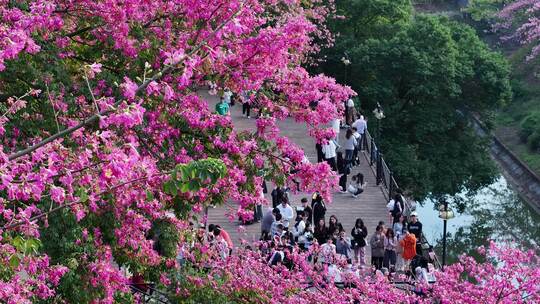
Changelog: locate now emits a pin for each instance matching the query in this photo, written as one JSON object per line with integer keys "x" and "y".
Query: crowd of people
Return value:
{"x": 395, "y": 247}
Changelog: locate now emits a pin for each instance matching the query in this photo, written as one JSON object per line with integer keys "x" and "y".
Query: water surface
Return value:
{"x": 495, "y": 212}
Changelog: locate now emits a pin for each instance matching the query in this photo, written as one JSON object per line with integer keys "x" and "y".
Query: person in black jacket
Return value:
{"x": 344, "y": 170}
{"x": 359, "y": 234}
{"x": 319, "y": 209}
{"x": 415, "y": 227}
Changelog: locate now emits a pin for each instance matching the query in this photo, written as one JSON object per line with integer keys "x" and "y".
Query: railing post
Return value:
{"x": 391, "y": 185}
{"x": 379, "y": 167}
{"x": 371, "y": 152}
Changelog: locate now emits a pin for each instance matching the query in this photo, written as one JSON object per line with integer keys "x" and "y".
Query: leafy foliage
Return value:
{"x": 530, "y": 130}
{"x": 428, "y": 75}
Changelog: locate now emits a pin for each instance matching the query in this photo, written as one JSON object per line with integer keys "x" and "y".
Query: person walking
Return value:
{"x": 343, "y": 170}
{"x": 377, "y": 247}
{"x": 397, "y": 208}
{"x": 350, "y": 143}
{"x": 415, "y": 227}
{"x": 359, "y": 234}
{"x": 357, "y": 139}
{"x": 361, "y": 126}
{"x": 246, "y": 104}
{"x": 390, "y": 246}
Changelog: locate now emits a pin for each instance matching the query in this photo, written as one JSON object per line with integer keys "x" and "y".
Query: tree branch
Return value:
{"x": 95, "y": 117}
{"x": 37, "y": 217}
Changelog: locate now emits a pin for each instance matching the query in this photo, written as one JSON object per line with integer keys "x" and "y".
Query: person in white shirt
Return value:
{"x": 329, "y": 152}
{"x": 328, "y": 251}
{"x": 286, "y": 211}
{"x": 360, "y": 124}
{"x": 357, "y": 138}
{"x": 300, "y": 225}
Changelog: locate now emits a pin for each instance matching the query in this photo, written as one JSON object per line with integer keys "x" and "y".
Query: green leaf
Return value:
{"x": 83, "y": 197}
{"x": 14, "y": 261}
{"x": 184, "y": 188}
{"x": 170, "y": 188}
{"x": 149, "y": 195}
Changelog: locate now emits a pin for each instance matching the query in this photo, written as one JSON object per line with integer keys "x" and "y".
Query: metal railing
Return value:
{"x": 385, "y": 178}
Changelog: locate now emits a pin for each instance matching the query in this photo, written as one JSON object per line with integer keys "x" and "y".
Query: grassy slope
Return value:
{"x": 526, "y": 84}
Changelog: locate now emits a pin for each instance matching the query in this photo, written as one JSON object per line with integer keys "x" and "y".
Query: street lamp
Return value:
{"x": 379, "y": 114}
{"x": 445, "y": 214}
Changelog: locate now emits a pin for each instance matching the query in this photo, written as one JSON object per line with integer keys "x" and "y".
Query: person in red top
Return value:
{"x": 218, "y": 231}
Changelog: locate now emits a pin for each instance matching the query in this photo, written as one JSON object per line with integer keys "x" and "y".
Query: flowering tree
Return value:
{"x": 108, "y": 150}
{"x": 525, "y": 14}
{"x": 104, "y": 135}
{"x": 508, "y": 275}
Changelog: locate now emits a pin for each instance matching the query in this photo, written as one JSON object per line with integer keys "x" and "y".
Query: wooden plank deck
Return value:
{"x": 370, "y": 205}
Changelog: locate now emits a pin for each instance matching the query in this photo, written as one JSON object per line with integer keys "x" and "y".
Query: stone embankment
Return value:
{"x": 518, "y": 174}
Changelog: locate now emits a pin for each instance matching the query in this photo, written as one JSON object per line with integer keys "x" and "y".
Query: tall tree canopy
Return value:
{"x": 426, "y": 73}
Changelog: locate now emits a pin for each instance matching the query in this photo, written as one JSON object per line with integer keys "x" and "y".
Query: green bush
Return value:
{"x": 529, "y": 125}
{"x": 534, "y": 140}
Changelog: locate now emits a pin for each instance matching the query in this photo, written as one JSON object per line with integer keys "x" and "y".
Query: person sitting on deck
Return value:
{"x": 357, "y": 185}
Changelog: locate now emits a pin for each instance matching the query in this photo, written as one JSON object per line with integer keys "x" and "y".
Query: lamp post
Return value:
{"x": 445, "y": 214}
{"x": 379, "y": 114}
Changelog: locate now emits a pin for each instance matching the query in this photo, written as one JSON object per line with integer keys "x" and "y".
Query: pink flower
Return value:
{"x": 58, "y": 194}
{"x": 93, "y": 69}
{"x": 129, "y": 88}
{"x": 172, "y": 58}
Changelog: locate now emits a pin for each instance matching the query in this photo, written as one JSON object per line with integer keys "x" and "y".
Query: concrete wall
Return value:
{"x": 521, "y": 177}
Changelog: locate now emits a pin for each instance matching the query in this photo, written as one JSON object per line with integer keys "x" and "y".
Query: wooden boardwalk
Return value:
{"x": 370, "y": 205}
